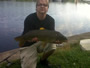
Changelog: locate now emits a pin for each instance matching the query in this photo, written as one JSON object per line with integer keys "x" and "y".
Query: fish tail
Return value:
{"x": 21, "y": 43}
{"x": 18, "y": 38}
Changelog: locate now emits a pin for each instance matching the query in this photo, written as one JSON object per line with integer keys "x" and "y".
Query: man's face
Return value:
{"x": 42, "y": 6}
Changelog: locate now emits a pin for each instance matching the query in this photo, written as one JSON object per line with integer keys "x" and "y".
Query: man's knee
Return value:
{"x": 50, "y": 48}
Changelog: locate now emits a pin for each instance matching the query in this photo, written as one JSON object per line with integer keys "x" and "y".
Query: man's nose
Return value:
{"x": 42, "y": 5}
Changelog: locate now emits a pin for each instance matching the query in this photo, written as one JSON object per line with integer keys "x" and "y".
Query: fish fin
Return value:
{"x": 21, "y": 43}
{"x": 44, "y": 44}
{"x": 19, "y": 38}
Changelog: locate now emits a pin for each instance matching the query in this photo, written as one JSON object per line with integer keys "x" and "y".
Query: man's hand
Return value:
{"x": 59, "y": 42}
{"x": 35, "y": 39}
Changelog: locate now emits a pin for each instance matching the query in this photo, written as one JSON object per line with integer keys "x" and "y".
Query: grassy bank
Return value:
{"x": 25, "y": 0}
{"x": 18, "y": 0}
{"x": 35, "y": 0}
{"x": 67, "y": 57}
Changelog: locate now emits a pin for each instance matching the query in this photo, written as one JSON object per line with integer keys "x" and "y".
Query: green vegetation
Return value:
{"x": 69, "y": 0}
{"x": 70, "y": 56}
{"x": 23, "y": 0}
{"x": 35, "y": 0}
{"x": 17, "y": 0}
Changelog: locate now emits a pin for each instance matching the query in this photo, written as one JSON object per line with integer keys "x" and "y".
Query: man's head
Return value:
{"x": 42, "y": 6}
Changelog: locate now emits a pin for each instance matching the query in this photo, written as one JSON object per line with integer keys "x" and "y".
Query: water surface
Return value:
{"x": 70, "y": 18}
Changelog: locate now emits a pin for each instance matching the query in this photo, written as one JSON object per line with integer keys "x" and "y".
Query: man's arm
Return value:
{"x": 28, "y": 25}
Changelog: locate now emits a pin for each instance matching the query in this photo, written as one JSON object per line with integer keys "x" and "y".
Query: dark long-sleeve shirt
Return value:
{"x": 33, "y": 23}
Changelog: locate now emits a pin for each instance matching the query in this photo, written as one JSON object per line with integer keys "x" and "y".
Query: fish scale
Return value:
{"x": 49, "y": 36}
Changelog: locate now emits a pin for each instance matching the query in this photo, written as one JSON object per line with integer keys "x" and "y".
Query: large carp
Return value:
{"x": 43, "y": 35}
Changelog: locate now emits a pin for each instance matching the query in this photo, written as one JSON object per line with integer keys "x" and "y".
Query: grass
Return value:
{"x": 25, "y": 0}
{"x": 67, "y": 57}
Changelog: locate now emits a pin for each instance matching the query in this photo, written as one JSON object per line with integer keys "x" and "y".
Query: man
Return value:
{"x": 37, "y": 21}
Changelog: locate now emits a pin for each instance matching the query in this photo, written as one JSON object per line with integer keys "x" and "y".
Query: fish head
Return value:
{"x": 60, "y": 37}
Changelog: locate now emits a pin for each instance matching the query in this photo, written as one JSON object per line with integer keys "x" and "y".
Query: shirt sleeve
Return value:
{"x": 28, "y": 25}
{"x": 53, "y": 25}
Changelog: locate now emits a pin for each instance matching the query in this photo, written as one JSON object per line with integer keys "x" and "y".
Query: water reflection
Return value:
{"x": 70, "y": 19}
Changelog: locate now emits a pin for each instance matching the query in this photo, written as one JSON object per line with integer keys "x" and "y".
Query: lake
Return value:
{"x": 70, "y": 18}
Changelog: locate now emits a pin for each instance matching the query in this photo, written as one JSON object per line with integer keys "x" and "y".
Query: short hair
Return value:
{"x": 38, "y": 1}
